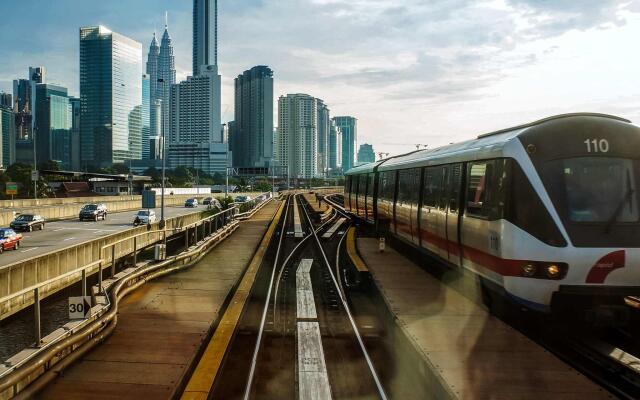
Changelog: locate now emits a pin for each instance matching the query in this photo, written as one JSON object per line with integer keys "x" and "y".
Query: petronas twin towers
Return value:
{"x": 161, "y": 68}
{"x": 189, "y": 111}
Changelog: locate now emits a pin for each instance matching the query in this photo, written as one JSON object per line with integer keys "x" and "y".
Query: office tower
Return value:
{"x": 335, "y": 149}
{"x": 23, "y": 98}
{"x": 110, "y": 96}
{"x": 6, "y": 100}
{"x": 297, "y": 139}
{"x": 152, "y": 72}
{"x": 349, "y": 128}
{"x": 195, "y": 136}
{"x": 52, "y": 127}
{"x": 166, "y": 76}
{"x": 145, "y": 117}
{"x": 7, "y": 135}
{"x": 75, "y": 133}
{"x": 205, "y": 34}
{"x": 366, "y": 154}
{"x": 252, "y": 130}
{"x": 324, "y": 122}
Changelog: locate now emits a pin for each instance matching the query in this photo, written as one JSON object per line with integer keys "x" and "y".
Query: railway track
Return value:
{"x": 298, "y": 337}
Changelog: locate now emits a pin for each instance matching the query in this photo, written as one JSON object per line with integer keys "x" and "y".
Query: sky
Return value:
{"x": 414, "y": 72}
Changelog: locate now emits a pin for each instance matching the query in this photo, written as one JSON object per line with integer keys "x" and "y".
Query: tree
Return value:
{"x": 21, "y": 174}
{"x": 120, "y": 168}
{"x": 181, "y": 176}
{"x": 155, "y": 175}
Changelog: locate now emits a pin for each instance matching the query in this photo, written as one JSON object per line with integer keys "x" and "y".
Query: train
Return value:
{"x": 546, "y": 214}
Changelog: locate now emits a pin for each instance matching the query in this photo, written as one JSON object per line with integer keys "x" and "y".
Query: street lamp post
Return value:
{"x": 162, "y": 138}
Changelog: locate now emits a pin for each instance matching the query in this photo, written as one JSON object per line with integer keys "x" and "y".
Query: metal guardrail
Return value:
{"x": 61, "y": 349}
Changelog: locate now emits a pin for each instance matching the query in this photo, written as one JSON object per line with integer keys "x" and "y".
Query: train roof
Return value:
{"x": 493, "y": 140}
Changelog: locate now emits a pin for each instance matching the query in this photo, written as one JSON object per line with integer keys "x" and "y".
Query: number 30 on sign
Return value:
{"x": 79, "y": 307}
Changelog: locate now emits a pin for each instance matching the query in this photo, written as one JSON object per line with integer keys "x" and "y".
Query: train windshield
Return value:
{"x": 600, "y": 189}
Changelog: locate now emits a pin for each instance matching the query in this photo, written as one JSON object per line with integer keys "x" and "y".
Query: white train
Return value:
{"x": 547, "y": 213}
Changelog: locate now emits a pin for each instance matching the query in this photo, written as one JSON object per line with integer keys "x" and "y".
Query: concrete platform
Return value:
{"x": 162, "y": 325}
{"x": 471, "y": 354}
{"x": 311, "y": 199}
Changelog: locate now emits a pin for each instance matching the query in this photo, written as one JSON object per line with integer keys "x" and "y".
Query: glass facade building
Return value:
{"x": 110, "y": 97}
{"x": 52, "y": 128}
{"x": 205, "y": 34}
{"x": 146, "y": 115}
{"x": 7, "y": 136}
{"x": 335, "y": 149}
{"x": 349, "y": 127}
{"x": 366, "y": 154}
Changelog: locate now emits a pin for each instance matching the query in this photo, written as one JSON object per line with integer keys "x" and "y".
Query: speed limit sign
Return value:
{"x": 79, "y": 307}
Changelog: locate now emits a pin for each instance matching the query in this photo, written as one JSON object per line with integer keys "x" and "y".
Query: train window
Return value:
{"x": 432, "y": 186}
{"x": 486, "y": 188}
{"x": 387, "y": 185}
{"x": 408, "y": 181}
{"x": 526, "y": 210}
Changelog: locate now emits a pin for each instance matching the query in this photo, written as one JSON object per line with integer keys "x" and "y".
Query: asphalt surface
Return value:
{"x": 61, "y": 234}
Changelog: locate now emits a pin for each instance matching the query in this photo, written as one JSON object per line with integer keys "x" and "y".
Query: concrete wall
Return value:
{"x": 51, "y": 210}
{"x": 23, "y": 274}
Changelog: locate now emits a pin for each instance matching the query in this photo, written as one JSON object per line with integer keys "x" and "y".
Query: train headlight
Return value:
{"x": 553, "y": 271}
{"x": 529, "y": 270}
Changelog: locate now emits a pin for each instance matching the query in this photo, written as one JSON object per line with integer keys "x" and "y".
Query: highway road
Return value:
{"x": 60, "y": 234}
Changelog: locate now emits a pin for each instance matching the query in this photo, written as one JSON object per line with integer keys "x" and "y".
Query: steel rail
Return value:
{"x": 254, "y": 358}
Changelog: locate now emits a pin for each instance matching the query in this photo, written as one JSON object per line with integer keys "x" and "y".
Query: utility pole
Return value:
{"x": 162, "y": 136}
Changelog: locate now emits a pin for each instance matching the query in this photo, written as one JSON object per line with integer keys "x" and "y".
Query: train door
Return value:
{"x": 442, "y": 174}
{"x": 453, "y": 213}
{"x": 431, "y": 189}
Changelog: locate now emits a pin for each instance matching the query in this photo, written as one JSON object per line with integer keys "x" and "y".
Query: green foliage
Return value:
{"x": 225, "y": 201}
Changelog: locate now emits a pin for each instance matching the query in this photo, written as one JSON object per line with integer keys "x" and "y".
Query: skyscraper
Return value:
{"x": 252, "y": 130}
{"x": 166, "y": 76}
{"x": 205, "y": 34}
{"x": 324, "y": 123}
{"x": 110, "y": 96}
{"x": 52, "y": 128}
{"x": 152, "y": 72}
{"x": 23, "y": 98}
{"x": 349, "y": 127}
{"x": 145, "y": 116}
{"x": 75, "y": 133}
{"x": 335, "y": 149}
{"x": 7, "y": 136}
{"x": 297, "y": 139}
{"x": 195, "y": 135}
{"x": 366, "y": 154}
{"x": 6, "y": 100}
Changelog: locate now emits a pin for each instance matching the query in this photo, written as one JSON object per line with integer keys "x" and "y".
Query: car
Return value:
{"x": 191, "y": 203}
{"x": 93, "y": 212}
{"x": 27, "y": 222}
{"x": 242, "y": 199}
{"x": 207, "y": 201}
{"x": 9, "y": 239}
{"x": 145, "y": 217}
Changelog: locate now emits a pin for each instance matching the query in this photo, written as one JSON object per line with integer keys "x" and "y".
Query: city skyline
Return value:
{"x": 480, "y": 59}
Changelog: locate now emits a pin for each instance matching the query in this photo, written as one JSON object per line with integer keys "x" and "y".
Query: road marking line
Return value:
{"x": 306, "y": 307}
{"x": 313, "y": 380}
{"x": 29, "y": 249}
{"x": 71, "y": 238}
{"x": 59, "y": 229}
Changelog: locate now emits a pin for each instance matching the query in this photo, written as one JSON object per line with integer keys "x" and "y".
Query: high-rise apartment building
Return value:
{"x": 110, "y": 96}
{"x": 205, "y": 34}
{"x": 297, "y": 138}
{"x": 324, "y": 124}
{"x": 366, "y": 154}
{"x": 252, "y": 129}
{"x": 152, "y": 72}
{"x": 335, "y": 149}
{"x": 349, "y": 128}
{"x": 195, "y": 135}
{"x": 52, "y": 128}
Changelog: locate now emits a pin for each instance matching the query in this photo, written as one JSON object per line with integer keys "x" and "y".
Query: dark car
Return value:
{"x": 93, "y": 212}
{"x": 27, "y": 222}
{"x": 191, "y": 203}
{"x": 207, "y": 201}
{"x": 9, "y": 239}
